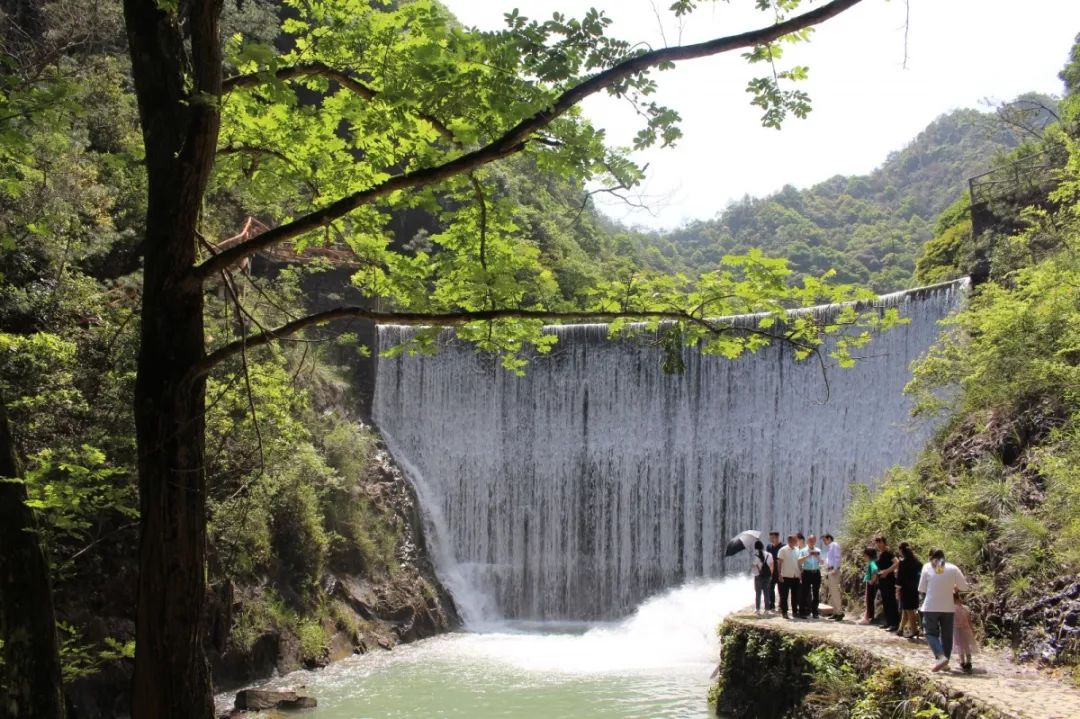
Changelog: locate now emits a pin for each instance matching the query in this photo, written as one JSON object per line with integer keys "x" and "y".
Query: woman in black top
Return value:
{"x": 907, "y": 580}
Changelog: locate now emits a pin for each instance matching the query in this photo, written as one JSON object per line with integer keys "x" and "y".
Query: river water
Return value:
{"x": 656, "y": 663}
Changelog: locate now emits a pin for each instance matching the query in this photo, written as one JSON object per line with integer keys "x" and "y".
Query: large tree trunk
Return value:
{"x": 172, "y": 677}
{"x": 177, "y": 95}
{"x": 30, "y": 683}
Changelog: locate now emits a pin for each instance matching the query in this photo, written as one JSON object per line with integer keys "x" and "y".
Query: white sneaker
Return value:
{"x": 941, "y": 665}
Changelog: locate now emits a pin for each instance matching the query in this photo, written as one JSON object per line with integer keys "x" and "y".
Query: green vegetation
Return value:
{"x": 999, "y": 488}
{"x": 289, "y": 464}
{"x": 838, "y": 690}
{"x": 765, "y": 672}
{"x": 175, "y": 450}
{"x": 1010, "y": 197}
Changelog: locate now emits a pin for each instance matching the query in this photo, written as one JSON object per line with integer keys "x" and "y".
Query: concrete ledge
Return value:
{"x": 777, "y": 669}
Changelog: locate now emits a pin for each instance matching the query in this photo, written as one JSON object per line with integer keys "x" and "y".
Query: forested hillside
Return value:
{"x": 868, "y": 228}
{"x": 999, "y": 486}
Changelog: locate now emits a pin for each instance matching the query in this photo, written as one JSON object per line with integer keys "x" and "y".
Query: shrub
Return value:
{"x": 297, "y": 536}
{"x": 999, "y": 486}
{"x": 312, "y": 639}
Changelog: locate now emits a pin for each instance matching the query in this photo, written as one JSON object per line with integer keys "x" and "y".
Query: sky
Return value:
{"x": 960, "y": 53}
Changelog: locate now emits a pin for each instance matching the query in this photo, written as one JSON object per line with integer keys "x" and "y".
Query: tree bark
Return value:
{"x": 177, "y": 94}
{"x": 30, "y": 678}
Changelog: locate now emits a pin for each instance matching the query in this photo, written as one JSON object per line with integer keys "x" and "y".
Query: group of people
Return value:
{"x": 901, "y": 581}
{"x": 801, "y": 571}
{"x": 804, "y": 573}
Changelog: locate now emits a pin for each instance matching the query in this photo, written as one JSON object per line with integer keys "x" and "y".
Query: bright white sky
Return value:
{"x": 960, "y": 52}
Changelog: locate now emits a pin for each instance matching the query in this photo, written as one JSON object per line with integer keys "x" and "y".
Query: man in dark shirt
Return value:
{"x": 772, "y": 548}
{"x": 888, "y": 563}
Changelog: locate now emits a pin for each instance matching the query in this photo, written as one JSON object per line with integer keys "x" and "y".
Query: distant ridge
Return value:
{"x": 869, "y": 228}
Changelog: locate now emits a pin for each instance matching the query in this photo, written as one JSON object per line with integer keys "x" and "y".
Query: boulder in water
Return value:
{"x": 259, "y": 699}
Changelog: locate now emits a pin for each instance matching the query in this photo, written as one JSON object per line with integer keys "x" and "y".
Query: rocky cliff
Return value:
{"x": 364, "y": 611}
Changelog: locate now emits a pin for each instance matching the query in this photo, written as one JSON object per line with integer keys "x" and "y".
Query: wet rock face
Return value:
{"x": 234, "y": 667}
{"x": 1048, "y": 629}
{"x": 410, "y": 604}
{"x": 403, "y": 609}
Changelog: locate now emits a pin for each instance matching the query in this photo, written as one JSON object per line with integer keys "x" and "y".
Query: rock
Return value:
{"x": 341, "y": 646}
{"x": 239, "y": 666}
{"x": 259, "y": 699}
{"x": 301, "y": 702}
{"x": 290, "y": 655}
{"x": 359, "y": 594}
{"x": 1045, "y": 630}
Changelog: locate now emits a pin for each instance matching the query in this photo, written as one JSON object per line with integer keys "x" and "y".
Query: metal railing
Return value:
{"x": 1019, "y": 179}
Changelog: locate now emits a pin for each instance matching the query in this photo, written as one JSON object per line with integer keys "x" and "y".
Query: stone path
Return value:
{"x": 1016, "y": 690}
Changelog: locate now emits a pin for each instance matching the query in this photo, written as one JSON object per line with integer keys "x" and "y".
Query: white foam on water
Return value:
{"x": 655, "y": 663}
{"x": 675, "y": 628}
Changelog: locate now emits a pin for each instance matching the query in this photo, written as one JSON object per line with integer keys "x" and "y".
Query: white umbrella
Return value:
{"x": 743, "y": 540}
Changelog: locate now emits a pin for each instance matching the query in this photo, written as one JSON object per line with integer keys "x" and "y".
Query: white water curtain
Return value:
{"x": 596, "y": 480}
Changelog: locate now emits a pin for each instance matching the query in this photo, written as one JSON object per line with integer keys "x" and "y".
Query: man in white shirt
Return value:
{"x": 789, "y": 571}
{"x": 939, "y": 580}
{"x": 831, "y": 591}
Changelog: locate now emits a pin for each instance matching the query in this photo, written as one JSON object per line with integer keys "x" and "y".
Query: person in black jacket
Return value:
{"x": 772, "y": 548}
{"x": 888, "y": 564}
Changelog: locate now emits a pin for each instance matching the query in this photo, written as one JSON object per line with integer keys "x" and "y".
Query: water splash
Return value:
{"x": 653, "y": 665}
{"x": 677, "y": 627}
{"x": 596, "y": 480}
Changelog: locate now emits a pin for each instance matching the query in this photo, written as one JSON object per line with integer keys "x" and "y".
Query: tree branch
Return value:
{"x": 453, "y": 319}
{"x": 514, "y": 139}
{"x": 230, "y": 286}
{"x": 321, "y": 69}
{"x": 255, "y": 151}
{"x": 293, "y": 72}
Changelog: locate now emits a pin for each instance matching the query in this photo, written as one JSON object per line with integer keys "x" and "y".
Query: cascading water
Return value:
{"x": 596, "y": 480}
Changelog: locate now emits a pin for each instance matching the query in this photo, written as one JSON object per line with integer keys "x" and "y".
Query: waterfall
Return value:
{"x": 596, "y": 480}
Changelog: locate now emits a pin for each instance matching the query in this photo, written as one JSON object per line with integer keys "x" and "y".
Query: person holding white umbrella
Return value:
{"x": 743, "y": 540}
{"x": 761, "y": 567}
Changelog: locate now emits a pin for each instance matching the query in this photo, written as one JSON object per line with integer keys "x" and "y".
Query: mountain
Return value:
{"x": 868, "y": 228}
